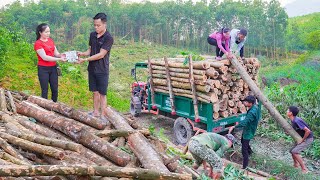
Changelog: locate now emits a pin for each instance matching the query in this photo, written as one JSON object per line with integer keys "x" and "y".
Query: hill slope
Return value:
{"x": 302, "y": 7}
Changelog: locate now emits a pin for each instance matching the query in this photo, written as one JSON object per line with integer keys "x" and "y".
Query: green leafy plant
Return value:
{"x": 232, "y": 173}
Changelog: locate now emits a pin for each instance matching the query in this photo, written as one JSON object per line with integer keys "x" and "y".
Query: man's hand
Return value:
{"x": 231, "y": 129}
{"x": 80, "y": 53}
{"x": 81, "y": 60}
{"x": 299, "y": 142}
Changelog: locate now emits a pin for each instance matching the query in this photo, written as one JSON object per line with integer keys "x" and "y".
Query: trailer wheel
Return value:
{"x": 135, "y": 106}
{"x": 182, "y": 130}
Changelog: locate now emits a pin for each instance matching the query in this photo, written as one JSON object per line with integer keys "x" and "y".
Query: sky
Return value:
{"x": 4, "y": 2}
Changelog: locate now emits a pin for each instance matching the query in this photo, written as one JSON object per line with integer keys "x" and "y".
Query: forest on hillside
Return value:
{"x": 183, "y": 24}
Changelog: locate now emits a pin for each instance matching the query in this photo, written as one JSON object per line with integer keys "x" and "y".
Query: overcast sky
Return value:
{"x": 4, "y": 2}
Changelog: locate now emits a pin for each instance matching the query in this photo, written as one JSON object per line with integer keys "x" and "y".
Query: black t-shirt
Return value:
{"x": 104, "y": 42}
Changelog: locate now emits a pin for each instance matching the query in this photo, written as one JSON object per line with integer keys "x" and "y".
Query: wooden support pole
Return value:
{"x": 194, "y": 93}
{"x": 151, "y": 84}
{"x": 173, "y": 109}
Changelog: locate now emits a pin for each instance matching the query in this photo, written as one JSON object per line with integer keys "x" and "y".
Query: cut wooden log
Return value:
{"x": 10, "y": 150}
{"x": 224, "y": 114}
{"x": 211, "y": 72}
{"x": 148, "y": 157}
{"x": 163, "y": 82}
{"x": 211, "y": 97}
{"x": 4, "y": 162}
{"x": 180, "y": 75}
{"x": 196, "y": 64}
{"x": 11, "y": 102}
{"x": 67, "y": 145}
{"x": 28, "y": 145}
{"x": 181, "y": 94}
{"x": 121, "y": 133}
{"x": 216, "y": 115}
{"x": 68, "y": 112}
{"x": 74, "y": 131}
{"x": 40, "y": 129}
{"x": 14, "y": 160}
{"x": 178, "y": 79}
{"x": 49, "y": 170}
{"x": 3, "y": 104}
{"x": 179, "y": 70}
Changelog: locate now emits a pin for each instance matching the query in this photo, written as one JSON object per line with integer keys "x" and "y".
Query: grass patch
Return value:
{"x": 20, "y": 74}
{"x": 280, "y": 169}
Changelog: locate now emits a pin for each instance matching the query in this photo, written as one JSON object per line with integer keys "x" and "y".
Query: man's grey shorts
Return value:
{"x": 302, "y": 146}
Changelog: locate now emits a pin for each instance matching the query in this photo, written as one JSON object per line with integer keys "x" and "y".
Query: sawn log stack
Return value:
{"x": 46, "y": 140}
{"x": 215, "y": 82}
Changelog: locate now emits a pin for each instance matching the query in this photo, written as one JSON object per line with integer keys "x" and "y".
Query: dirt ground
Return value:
{"x": 278, "y": 150}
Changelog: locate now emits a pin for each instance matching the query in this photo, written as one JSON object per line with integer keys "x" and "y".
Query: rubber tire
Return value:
{"x": 182, "y": 130}
{"x": 133, "y": 106}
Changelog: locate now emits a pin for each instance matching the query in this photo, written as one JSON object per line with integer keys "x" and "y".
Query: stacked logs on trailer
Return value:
{"x": 41, "y": 139}
{"x": 208, "y": 80}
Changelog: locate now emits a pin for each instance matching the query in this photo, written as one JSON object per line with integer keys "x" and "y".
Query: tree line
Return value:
{"x": 183, "y": 24}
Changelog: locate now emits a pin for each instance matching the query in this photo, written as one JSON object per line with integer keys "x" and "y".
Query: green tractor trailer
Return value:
{"x": 185, "y": 124}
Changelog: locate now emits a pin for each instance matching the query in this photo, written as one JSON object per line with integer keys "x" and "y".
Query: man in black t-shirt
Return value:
{"x": 302, "y": 128}
{"x": 100, "y": 44}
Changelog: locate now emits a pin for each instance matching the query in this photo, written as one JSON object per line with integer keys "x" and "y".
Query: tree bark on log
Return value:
{"x": 40, "y": 129}
{"x": 176, "y": 84}
{"x": 121, "y": 133}
{"x": 49, "y": 170}
{"x": 67, "y": 145}
{"x": 179, "y": 70}
{"x": 211, "y": 97}
{"x": 69, "y": 112}
{"x": 11, "y": 102}
{"x": 272, "y": 110}
{"x": 193, "y": 90}
{"x": 28, "y": 145}
{"x": 74, "y": 131}
{"x": 181, "y": 94}
{"x": 138, "y": 143}
{"x": 10, "y": 150}
{"x": 196, "y": 65}
{"x": 3, "y": 104}
{"x": 181, "y": 75}
{"x": 14, "y": 160}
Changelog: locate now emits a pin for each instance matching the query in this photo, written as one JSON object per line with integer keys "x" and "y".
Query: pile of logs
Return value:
{"x": 40, "y": 139}
{"x": 209, "y": 81}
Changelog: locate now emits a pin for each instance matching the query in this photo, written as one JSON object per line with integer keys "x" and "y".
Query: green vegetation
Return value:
{"x": 280, "y": 168}
{"x": 303, "y": 32}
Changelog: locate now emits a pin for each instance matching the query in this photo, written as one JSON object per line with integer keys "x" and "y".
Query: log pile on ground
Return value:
{"x": 215, "y": 82}
{"x": 46, "y": 140}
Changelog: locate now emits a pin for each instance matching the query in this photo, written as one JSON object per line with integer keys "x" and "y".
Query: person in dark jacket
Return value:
{"x": 249, "y": 125}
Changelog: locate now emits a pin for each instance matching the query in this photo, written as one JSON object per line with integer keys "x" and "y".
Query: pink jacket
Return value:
{"x": 220, "y": 38}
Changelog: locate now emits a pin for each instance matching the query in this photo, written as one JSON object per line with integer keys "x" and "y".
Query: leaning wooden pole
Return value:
{"x": 194, "y": 93}
{"x": 173, "y": 108}
{"x": 50, "y": 170}
{"x": 267, "y": 104}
